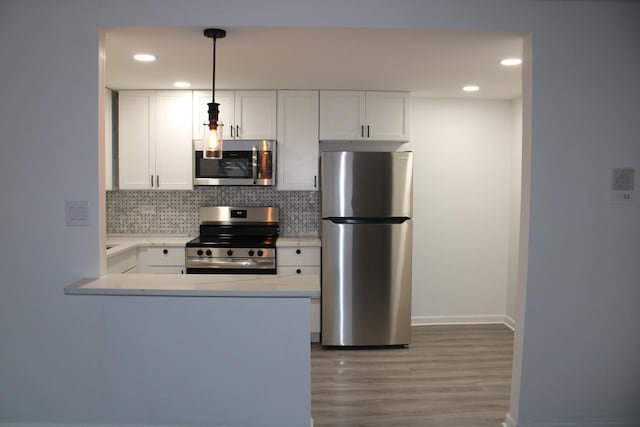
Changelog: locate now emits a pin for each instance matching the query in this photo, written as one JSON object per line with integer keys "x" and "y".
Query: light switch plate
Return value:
{"x": 77, "y": 213}
{"x": 622, "y": 186}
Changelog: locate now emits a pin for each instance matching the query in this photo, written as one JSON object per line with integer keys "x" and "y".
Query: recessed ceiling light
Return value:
{"x": 144, "y": 57}
{"x": 511, "y": 61}
{"x": 182, "y": 84}
{"x": 471, "y": 88}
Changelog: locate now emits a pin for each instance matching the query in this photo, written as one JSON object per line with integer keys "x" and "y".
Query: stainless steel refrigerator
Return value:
{"x": 367, "y": 200}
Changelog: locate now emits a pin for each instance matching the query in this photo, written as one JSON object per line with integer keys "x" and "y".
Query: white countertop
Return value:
{"x": 298, "y": 240}
{"x": 200, "y": 285}
{"x": 119, "y": 243}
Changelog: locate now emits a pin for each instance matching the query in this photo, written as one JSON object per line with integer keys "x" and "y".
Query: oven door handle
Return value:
{"x": 241, "y": 263}
{"x": 254, "y": 163}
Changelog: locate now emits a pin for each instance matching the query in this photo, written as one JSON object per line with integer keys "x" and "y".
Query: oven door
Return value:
{"x": 205, "y": 260}
{"x": 230, "y": 266}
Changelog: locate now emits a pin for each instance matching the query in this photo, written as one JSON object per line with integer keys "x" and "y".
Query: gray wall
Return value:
{"x": 577, "y": 344}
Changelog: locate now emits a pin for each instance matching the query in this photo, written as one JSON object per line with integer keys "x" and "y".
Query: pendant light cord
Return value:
{"x": 213, "y": 80}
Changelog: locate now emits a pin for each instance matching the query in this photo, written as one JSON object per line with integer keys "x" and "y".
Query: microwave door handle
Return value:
{"x": 254, "y": 164}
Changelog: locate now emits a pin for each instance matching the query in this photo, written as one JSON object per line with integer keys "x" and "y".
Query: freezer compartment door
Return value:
{"x": 367, "y": 184}
{"x": 366, "y": 283}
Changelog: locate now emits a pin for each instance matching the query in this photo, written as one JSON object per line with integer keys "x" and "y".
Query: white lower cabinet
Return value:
{"x": 161, "y": 259}
{"x": 125, "y": 262}
{"x": 302, "y": 259}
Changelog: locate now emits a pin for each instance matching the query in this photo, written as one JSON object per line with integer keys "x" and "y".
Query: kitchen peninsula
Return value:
{"x": 200, "y": 349}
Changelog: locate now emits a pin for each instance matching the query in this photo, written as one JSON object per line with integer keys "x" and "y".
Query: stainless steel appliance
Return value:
{"x": 234, "y": 240}
{"x": 242, "y": 163}
{"x": 366, "y": 248}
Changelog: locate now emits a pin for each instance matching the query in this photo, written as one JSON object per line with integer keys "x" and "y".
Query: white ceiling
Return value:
{"x": 426, "y": 63}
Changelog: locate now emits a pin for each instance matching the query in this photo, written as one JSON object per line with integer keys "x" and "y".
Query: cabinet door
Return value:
{"x": 387, "y": 116}
{"x": 297, "y": 140}
{"x": 201, "y": 99}
{"x": 108, "y": 140}
{"x": 342, "y": 115}
{"x": 299, "y": 256}
{"x": 136, "y": 119}
{"x": 255, "y": 114}
{"x": 173, "y": 149}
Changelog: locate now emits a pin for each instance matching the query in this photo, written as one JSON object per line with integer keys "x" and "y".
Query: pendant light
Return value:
{"x": 212, "y": 148}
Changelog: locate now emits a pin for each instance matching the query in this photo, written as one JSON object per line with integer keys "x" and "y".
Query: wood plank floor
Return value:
{"x": 450, "y": 376}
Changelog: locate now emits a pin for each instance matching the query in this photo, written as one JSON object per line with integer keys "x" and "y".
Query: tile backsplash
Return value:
{"x": 176, "y": 212}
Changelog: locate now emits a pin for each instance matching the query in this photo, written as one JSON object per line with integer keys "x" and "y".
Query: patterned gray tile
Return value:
{"x": 176, "y": 212}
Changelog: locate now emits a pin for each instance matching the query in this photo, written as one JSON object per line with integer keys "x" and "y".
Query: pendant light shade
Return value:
{"x": 212, "y": 142}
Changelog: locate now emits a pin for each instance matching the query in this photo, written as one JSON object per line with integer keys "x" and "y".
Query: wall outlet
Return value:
{"x": 147, "y": 209}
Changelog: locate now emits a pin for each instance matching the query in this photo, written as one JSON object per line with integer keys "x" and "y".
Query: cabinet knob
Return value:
{"x": 298, "y": 271}
{"x": 298, "y": 251}
{"x": 165, "y": 251}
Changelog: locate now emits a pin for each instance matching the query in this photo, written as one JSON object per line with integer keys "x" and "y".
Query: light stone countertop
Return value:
{"x": 298, "y": 240}
{"x": 119, "y": 243}
{"x": 203, "y": 285}
{"x": 200, "y": 285}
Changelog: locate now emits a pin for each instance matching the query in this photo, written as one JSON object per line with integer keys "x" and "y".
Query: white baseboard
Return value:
{"x": 457, "y": 320}
{"x": 510, "y": 422}
{"x": 510, "y": 322}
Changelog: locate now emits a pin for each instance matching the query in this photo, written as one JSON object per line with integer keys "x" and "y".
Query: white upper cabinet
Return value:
{"x": 255, "y": 114}
{"x": 249, "y": 114}
{"x": 364, "y": 116}
{"x": 298, "y": 140}
{"x": 108, "y": 139}
{"x": 155, "y": 146}
{"x": 342, "y": 115}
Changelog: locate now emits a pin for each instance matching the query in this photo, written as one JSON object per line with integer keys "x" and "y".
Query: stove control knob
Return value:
{"x": 229, "y": 252}
{"x": 251, "y": 252}
{"x": 208, "y": 252}
{"x": 200, "y": 252}
{"x": 260, "y": 253}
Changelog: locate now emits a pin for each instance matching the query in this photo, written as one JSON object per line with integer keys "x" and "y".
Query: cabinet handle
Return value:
{"x": 165, "y": 251}
{"x": 157, "y": 181}
{"x": 298, "y": 251}
{"x": 298, "y": 271}
{"x": 231, "y": 131}
{"x": 151, "y": 181}
{"x": 362, "y": 131}
{"x": 368, "y": 131}
{"x": 315, "y": 181}
{"x": 237, "y": 131}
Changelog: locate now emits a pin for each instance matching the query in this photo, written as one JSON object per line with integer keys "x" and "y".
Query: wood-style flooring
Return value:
{"x": 450, "y": 376}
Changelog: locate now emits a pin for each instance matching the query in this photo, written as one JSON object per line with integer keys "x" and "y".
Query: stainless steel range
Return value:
{"x": 234, "y": 240}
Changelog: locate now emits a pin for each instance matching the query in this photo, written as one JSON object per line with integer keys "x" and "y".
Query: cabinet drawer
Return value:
{"x": 166, "y": 269}
{"x": 165, "y": 255}
{"x": 123, "y": 262}
{"x": 297, "y": 256}
{"x": 302, "y": 270}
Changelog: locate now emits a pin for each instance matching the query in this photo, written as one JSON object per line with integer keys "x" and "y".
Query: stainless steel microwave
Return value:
{"x": 242, "y": 163}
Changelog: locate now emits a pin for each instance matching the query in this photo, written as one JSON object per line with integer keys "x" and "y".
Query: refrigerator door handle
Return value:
{"x": 354, "y": 220}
